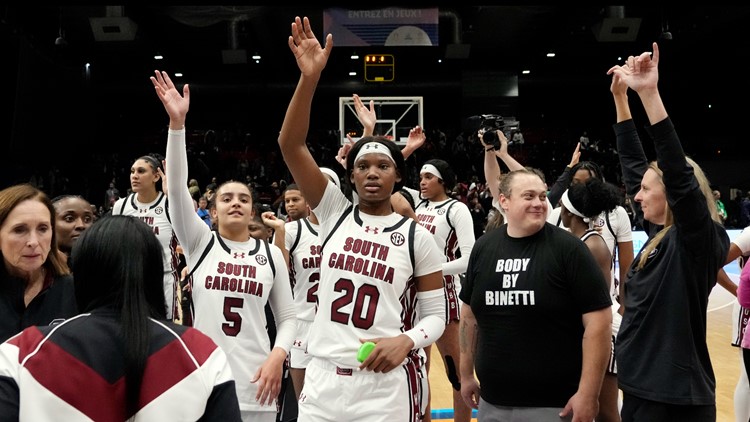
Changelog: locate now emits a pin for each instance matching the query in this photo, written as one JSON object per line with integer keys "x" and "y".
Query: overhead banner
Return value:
{"x": 391, "y": 26}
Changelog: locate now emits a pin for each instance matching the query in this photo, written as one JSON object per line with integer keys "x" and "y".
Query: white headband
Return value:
{"x": 331, "y": 175}
{"x": 374, "y": 148}
{"x": 566, "y": 201}
{"x": 429, "y": 168}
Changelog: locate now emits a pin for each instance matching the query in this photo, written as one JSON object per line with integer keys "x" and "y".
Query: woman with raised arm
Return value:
{"x": 370, "y": 257}
{"x": 664, "y": 367}
{"x": 232, "y": 276}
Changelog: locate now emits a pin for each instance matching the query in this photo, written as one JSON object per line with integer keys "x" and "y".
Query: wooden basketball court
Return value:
{"x": 724, "y": 356}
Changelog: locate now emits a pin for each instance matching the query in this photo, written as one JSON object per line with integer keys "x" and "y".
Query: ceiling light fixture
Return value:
{"x": 60, "y": 40}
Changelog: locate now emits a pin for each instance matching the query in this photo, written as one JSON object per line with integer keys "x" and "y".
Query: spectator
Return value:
{"x": 203, "y": 212}
{"x": 194, "y": 189}
{"x": 720, "y": 206}
{"x": 111, "y": 196}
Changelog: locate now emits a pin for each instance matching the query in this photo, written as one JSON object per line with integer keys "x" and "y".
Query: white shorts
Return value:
{"x": 616, "y": 320}
{"x": 298, "y": 356}
{"x": 347, "y": 394}
{"x": 249, "y": 416}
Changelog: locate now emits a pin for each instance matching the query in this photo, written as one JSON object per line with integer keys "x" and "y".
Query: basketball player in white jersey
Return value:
{"x": 580, "y": 205}
{"x": 614, "y": 226}
{"x": 370, "y": 256}
{"x": 232, "y": 275}
{"x": 300, "y": 239}
{"x": 149, "y": 204}
{"x": 450, "y": 222}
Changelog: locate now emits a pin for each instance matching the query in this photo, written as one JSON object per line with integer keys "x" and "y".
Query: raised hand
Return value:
{"x": 270, "y": 220}
{"x": 415, "y": 141}
{"x": 311, "y": 57}
{"x": 365, "y": 116}
{"x": 343, "y": 151}
{"x": 576, "y": 155}
{"x": 176, "y": 105}
{"x": 503, "y": 143}
{"x": 640, "y": 72}
{"x": 618, "y": 87}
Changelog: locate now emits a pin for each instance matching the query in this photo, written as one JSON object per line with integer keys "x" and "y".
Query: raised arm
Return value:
{"x": 415, "y": 141}
{"x": 366, "y": 116}
{"x": 311, "y": 60}
{"x": 492, "y": 170}
{"x": 503, "y": 152}
{"x": 562, "y": 182}
{"x": 690, "y": 207}
{"x": 187, "y": 225}
{"x": 633, "y": 161}
{"x": 641, "y": 74}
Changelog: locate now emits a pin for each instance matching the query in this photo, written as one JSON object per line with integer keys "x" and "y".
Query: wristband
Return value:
{"x": 489, "y": 149}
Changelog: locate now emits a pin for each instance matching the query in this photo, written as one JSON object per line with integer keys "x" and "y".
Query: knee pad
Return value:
{"x": 450, "y": 369}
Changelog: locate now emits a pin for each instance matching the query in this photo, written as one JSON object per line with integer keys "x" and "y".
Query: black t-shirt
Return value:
{"x": 528, "y": 296}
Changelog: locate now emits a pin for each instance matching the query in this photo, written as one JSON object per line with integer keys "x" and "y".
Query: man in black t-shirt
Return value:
{"x": 535, "y": 318}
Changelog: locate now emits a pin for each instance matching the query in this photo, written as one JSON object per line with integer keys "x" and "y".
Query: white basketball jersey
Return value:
{"x": 614, "y": 227}
{"x": 155, "y": 214}
{"x": 303, "y": 244}
{"x": 433, "y": 216}
{"x": 367, "y": 266}
{"x": 230, "y": 288}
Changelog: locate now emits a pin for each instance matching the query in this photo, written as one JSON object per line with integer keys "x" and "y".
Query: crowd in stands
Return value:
{"x": 228, "y": 155}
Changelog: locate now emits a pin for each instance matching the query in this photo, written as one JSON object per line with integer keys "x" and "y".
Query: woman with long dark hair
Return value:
{"x": 120, "y": 358}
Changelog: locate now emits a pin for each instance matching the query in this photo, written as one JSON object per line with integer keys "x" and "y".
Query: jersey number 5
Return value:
{"x": 366, "y": 294}
{"x": 234, "y": 319}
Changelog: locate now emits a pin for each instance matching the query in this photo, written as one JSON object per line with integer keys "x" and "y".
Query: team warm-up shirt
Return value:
{"x": 529, "y": 295}
{"x": 74, "y": 371}
{"x": 231, "y": 283}
{"x": 302, "y": 242}
{"x": 368, "y": 265}
{"x": 156, "y": 215}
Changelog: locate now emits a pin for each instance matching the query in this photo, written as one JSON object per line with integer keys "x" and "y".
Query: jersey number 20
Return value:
{"x": 366, "y": 294}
